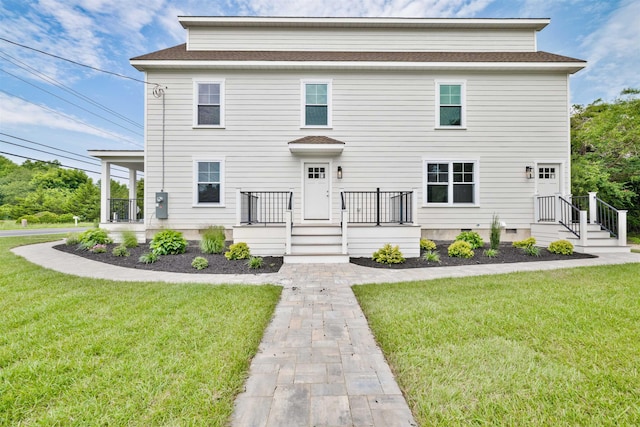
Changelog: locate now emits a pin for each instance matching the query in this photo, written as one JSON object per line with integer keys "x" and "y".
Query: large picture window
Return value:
{"x": 451, "y": 183}
{"x": 209, "y": 182}
{"x": 316, "y": 103}
{"x": 450, "y": 104}
{"x": 209, "y": 104}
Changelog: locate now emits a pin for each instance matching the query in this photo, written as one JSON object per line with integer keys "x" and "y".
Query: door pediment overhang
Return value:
{"x": 316, "y": 145}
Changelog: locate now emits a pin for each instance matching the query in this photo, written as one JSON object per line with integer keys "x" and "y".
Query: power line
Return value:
{"x": 57, "y": 164}
{"x": 62, "y": 86}
{"x": 71, "y": 118}
{"x": 54, "y": 148}
{"x": 47, "y": 152}
{"x": 69, "y": 102}
{"x": 75, "y": 62}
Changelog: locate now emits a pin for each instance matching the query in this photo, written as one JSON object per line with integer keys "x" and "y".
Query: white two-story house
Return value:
{"x": 323, "y": 138}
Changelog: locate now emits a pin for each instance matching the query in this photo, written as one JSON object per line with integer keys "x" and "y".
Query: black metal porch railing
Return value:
{"x": 378, "y": 207}
{"x": 607, "y": 217}
{"x": 126, "y": 210}
{"x": 569, "y": 216}
{"x": 546, "y": 208}
{"x": 580, "y": 202}
{"x": 264, "y": 207}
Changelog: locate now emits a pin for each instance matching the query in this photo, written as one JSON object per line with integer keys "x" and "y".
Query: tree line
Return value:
{"x": 46, "y": 192}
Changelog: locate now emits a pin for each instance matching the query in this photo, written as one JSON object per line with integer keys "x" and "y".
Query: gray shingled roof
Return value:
{"x": 180, "y": 53}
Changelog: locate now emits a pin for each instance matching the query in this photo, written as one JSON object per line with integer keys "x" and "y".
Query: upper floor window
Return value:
{"x": 450, "y": 105}
{"x": 209, "y": 103}
{"x": 316, "y": 100}
{"x": 451, "y": 182}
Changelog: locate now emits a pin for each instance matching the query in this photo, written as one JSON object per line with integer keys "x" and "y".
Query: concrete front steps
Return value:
{"x": 598, "y": 240}
{"x": 316, "y": 244}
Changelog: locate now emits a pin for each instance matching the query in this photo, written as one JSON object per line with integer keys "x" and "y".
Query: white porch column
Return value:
{"x": 133, "y": 203}
{"x": 622, "y": 228}
{"x": 238, "y": 207}
{"x": 558, "y": 208}
{"x": 414, "y": 206}
{"x": 288, "y": 215}
{"x": 105, "y": 191}
{"x": 583, "y": 228}
{"x": 593, "y": 214}
{"x": 536, "y": 209}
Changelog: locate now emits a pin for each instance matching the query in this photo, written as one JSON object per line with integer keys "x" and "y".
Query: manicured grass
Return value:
{"x": 9, "y": 224}
{"x": 75, "y": 351}
{"x": 547, "y": 348}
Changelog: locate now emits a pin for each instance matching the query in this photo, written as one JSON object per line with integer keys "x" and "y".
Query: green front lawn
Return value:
{"x": 10, "y": 224}
{"x": 547, "y": 348}
{"x": 75, "y": 351}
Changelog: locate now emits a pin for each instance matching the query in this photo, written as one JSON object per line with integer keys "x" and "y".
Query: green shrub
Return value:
{"x": 255, "y": 262}
{"x": 199, "y": 263}
{"x": 65, "y": 218}
{"x": 94, "y": 236}
{"x": 431, "y": 256}
{"x": 427, "y": 245}
{"x": 213, "y": 240}
{"x": 129, "y": 239}
{"x": 460, "y": 249}
{"x": 490, "y": 253}
{"x": 98, "y": 249}
{"x": 31, "y": 219}
{"x": 238, "y": 250}
{"x": 168, "y": 242}
{"x": 148, "y": 258}
{"x": 47, "y": 217}
{"x": 388, "y": 255}
{"x": 562, "y": 247}
{"x": 524, "y": 243}
{"x": 494, "y": 236}
{"x": 120, "y": 250}
{"x": 472, "y": 238}
{"x": 532, "y": 250}
{"x": 72, "y": 239}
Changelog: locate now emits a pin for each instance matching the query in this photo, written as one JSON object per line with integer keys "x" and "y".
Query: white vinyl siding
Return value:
{"x": 451, "y": 109}
{"x": 208, "y": 108}
{"x": 208, "y": 182}
{"x": 362, "y": 39}
{"x": 386, "y": 120}
{"x": 316, "y": 103}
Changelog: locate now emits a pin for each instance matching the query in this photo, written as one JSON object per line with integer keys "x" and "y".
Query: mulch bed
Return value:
{"x": 218, "y": 264}
{"x": 181, "y": 263}
{"x": 506, "y": 254}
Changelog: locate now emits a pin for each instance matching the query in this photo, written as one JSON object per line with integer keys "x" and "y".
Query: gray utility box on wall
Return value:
{"x": 162, "y": 210}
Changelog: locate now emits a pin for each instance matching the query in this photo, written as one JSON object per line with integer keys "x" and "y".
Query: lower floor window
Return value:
{"x": 451, "y": 182}
{"x": 208, "y": 182}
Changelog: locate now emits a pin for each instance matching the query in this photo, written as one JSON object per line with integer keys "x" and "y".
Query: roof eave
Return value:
{"x": 570, "y": 67}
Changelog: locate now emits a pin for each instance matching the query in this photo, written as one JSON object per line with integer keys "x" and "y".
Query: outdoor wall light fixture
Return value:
{"x": 529, "y": 172}
{"x": 339, "y": 172}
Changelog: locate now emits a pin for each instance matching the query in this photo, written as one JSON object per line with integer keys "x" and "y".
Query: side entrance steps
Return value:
{"x": 599, "y": 241}
{"x": 316, "y": 244}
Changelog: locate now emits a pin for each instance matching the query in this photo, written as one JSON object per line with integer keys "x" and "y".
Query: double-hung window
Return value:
{"x": 450, "y": 104}
{"x": 209, "y": 103}
{"x": 209, "y": 182}
{"x": 451, "y": 182}
{"x": 316, "y": 103}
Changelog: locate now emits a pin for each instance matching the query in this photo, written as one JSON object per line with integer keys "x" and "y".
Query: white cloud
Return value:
{"x": 613, "y": 51}
{"x": 369, "y": 8}
{"x": 16, "y": 112}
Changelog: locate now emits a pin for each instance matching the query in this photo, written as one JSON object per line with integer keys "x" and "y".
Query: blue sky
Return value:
{"x": 36, "y": 102}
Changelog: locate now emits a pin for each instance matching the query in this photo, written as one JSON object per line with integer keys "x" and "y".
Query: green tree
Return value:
{"x": 59, "y": 178}
{"x": 85, "y": 202}
{"x": 605, "y": 144}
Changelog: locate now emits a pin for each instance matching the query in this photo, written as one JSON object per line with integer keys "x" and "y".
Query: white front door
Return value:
{"x": 548, "y": 176}
{"x": 316, "y": 191}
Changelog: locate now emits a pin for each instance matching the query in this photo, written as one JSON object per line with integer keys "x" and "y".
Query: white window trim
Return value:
{"x": 303, "y": 103}
{"x": 450, "y": 204}
{"x": 220, "y": 160}
{"x": 196, "y": 82}
{"x": 463, "y": 100}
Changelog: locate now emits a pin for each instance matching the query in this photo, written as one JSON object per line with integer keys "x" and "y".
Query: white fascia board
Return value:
{"x": 218, "y": 21}
{"x": 306, "y": 148}
{"x": 570, "y": 67}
